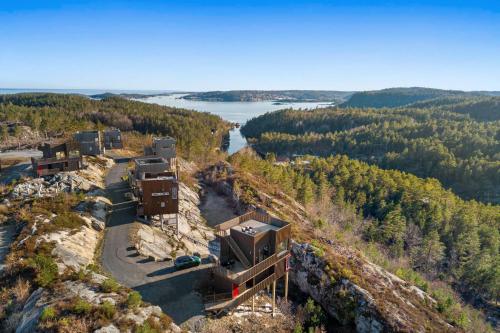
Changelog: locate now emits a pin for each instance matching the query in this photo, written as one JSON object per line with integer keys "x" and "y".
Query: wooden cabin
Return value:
{"x": 254, "y": 254}
{"x": 57, "y": 157}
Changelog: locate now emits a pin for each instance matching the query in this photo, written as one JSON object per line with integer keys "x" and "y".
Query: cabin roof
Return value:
{"x": 253, "y": 227}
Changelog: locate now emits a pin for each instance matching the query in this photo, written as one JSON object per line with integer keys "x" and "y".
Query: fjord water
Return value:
{"x": 236, "y": 112}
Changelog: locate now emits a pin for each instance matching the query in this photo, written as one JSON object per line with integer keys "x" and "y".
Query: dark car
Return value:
{"x": 187, "y": 262}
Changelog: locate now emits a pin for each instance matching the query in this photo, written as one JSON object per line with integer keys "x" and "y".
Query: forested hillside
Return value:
{"x": 461, "y": 152}
{"x": 478, "y": 108}
{"x": 57, "y": 114}
{"x": 420, "y": 223}
{"x": 395, "y": 97}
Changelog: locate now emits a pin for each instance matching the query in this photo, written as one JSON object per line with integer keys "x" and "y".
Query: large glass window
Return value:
{"x": 282, "y": 246}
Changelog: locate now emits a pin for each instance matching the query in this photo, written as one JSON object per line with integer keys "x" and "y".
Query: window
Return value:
{"x": 174, "y": 193}
{"x": 282, "y": 246}
{"x": 162, "y": 204}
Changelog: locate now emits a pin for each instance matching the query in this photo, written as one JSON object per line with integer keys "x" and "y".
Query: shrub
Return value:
{"x": 48, "y": 313}
{"x": 110, "y": 286}
{"x": 411, "y": 276}
{"x": 297, "y": 328}
{"x": 107, "y": 309}
{"x": 319, "y": 251}
{"x": 165, "y": 321}
{"x": 67, "y": 220}
{"x": 21, "y": 290}
{"x": 150, "y": 325}
{"x": 46, "y": 269}
{"x": 320, "y": 223}
{"x": 82, "y": 307}
{"x": 134, "y": 299}
{"x": 82, "y": 275}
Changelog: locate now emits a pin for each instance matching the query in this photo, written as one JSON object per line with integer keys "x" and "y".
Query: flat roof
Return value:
{"x": 164, "y": 138}
{"x": 254, "y": 227}
{"x": 151, "y": 160}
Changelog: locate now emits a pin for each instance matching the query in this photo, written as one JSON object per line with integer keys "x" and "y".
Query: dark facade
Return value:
{"x": 90, "y": 142}
{"x": 57, "y": 157}
{"x": 255, "y": 249}
{"x": 113, "y": 139}
{"x": 155, "y": 186}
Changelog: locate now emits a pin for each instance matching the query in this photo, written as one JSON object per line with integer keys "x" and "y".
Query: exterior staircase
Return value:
{"x": 238, "y": 252}
{"x": 217, "y": 306}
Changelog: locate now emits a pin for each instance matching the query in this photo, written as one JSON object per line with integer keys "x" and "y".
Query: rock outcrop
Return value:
{"x": 389, "y": 304}
{"x": 87, "y": 180}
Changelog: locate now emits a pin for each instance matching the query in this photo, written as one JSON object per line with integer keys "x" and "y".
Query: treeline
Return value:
{"x": 396, "y": 97}
{"x": 460, "y": 152}
{"x": 478, "y": 108}
{"x": 441, "y": 235}
{"x": 57, "y": 114}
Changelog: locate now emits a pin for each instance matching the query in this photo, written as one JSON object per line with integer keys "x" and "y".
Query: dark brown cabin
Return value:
{"x": 57, "y": 157}
{"x": 254, "y": 252}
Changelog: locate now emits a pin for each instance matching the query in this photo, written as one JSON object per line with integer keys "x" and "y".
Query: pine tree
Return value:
{"x": 430, "y": 253}
{"x": 393, "y": 230}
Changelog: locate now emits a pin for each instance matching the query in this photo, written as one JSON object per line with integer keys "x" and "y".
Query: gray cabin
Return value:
{"x": 113, "y": 139}
{"x": 162, "y": 147}
{"x": 90, "y": 142}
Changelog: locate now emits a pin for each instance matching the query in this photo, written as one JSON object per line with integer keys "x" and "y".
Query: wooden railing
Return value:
{"x": 253, "y": 271}
{"x": 212, "y": 298}
{"x": 252, "y": 215}
{"x": 238, "y": 252}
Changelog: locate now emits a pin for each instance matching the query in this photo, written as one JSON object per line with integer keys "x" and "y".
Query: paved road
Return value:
{"x": 158, "y": 282}
{"x": 14, "y": 172}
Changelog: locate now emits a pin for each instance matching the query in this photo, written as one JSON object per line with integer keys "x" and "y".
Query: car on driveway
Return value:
{"x": 187, "y": 262}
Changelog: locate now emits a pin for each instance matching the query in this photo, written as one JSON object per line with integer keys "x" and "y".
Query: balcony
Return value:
{"x": 239, "y": 276}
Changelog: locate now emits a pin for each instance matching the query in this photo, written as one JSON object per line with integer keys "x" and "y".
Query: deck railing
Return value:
{"x": 212, "y": 298}
{"x": 251, "y": 272}
{"x": 252, "y": 215}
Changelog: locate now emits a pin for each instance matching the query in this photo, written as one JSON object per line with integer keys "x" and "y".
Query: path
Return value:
{"x": 158, "y": 282}
{"x": 8, "y": 234}
{"x": 215, "y": 208}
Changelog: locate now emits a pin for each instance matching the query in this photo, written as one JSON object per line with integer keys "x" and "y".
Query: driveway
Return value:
{"x": 23, "y": 168}
{"x": 158, "y": 282}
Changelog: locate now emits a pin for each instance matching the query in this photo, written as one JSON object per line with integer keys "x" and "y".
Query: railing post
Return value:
{"x": 274, "y": 295}
{"x": 286, "y": 286}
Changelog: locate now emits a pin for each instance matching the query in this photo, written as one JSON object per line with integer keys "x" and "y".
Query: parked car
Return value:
{"x": 187, "y": 262}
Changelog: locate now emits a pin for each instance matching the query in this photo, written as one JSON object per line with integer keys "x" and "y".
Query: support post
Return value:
{"x": 253, "y": 303}
{"x": 286, "y": 286}
{"x": 274, "y": 296}
{"x": 177, "y": 224}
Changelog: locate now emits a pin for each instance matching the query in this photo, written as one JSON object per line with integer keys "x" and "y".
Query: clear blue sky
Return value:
{"x": 208, "y": 45}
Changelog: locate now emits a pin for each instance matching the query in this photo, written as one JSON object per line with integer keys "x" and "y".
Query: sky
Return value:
{"x": 224, "y": 45}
